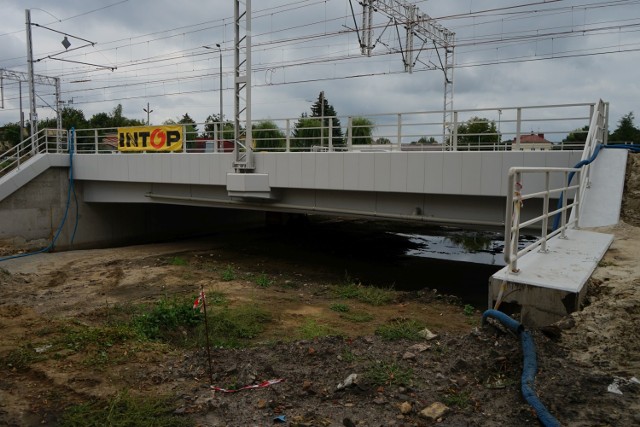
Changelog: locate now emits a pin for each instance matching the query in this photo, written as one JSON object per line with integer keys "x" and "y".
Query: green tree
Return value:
{"x": 361, "y": 130}
{"x": 112, "y": 120}
{"x": 306, "y": 132}
{"x": 191, "y": 129}
{"x": 626, "y": 131}
{"x": 71, "y": 118}
{"x": 383, "y": 140}
{"x": 227, "y": 133}
{"x": 10, "y": 135}
{"x": 477, "y": 131}
{"x": 266, "y": 134}
{"x": 578, "y": 135}
{"x": 322, "y": 108}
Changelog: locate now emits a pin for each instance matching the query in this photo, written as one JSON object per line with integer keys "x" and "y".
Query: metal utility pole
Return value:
{"x": 221, "y": 116}
{"x": 33, "y": 116}
{"x": 321, "y": 118}
{"x": 427, "y": 30}
{"x": 243, "y": 153}
{"x": 148, "y": 111}
{"x": 21, "y": 77}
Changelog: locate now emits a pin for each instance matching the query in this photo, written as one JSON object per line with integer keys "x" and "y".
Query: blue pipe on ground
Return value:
{"x": 529, "y": 366}
{"x": 70, "y": 190}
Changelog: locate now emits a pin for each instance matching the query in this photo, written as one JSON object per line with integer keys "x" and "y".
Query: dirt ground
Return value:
{"x": 472, "y": 370}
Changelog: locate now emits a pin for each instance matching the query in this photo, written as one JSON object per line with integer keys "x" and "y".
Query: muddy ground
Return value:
{"x": 314, "y": 338}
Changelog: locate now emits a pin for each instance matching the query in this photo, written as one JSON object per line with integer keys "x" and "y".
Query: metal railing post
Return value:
{"x": 576, "y": 202}
{"x": 349, "y": 133}
{"x": 508, "y": 221}
{"x": 186, "y": 137}
{"x": 287, "y": 140}
{"x": 454, "y": 142}
{"x": 545, "y": 213}
{"x": 95, "y": 139}
{"x": 563, "y": 216}
{"x": 330, "y": 141}
{"x": 399, "y": 133}
{"x": 518, "y": 127}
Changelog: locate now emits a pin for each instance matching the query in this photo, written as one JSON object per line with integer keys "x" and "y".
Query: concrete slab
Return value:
{"x": 601, "y": 203}
{"x": 551, "y": 285}
{"x": 566, "y": 266}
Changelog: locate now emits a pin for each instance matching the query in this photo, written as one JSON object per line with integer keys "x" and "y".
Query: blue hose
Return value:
{"x": 529, "y": 366}
{"x": 70, "y": 190}
{"x": 630, "y": 147}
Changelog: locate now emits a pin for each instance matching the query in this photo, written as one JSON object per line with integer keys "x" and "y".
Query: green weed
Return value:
{"x": 20, "y": 358}
{"x": 388, "y": 373}
{"x": 176, "y": 260}
{"x": 311, "y": 329}
{"x": 234, "y": 327}
{"x": 367, "y": 294}
{"x": 459, "y": 399}
{"x": 400, "y": 329}
{"x": 358, "y": 316}
{"x": 123, "y": 410}
{"x": 339, "y": 308}
{"x": 469, "y": 310}
{"x": 263, "y": 281}
{"x": 228, "y": 274}
{"x": 168, "y": 320}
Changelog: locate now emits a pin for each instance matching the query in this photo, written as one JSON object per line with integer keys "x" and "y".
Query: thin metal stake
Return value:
{"x": 206, "y": 329}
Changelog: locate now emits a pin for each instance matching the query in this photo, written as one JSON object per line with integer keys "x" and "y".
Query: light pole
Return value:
{"x": 148, "y": 111}
{"x": 221, "y": 116}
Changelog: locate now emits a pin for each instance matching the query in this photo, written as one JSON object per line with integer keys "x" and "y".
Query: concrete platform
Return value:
{"x": 551, "y": 285}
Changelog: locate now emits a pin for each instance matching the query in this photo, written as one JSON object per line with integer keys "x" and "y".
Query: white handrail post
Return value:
{"x": 545, "y": 217}
{"x": 454, "y": 142}
{"x": 563, "y": 224}
{"x": 399, "y": 129}
{"x": 330, "y": 141}
{"x": 518, "y": 127}
{"x": 576, "y": 202}
{"x": 185, "y": 137}
{"x": 95, "y": 139}
{"x": 349, "y": 133}
{"x": 287, "y": 140}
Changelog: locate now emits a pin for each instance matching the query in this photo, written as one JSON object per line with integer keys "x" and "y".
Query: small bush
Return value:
{"x": 400, "y": 329}
{"x": 311, "y": 329}
{"x": 366, "y": 294}
{"x": 166, "y": 317}
{"x": 339, "y": 308}
{"x": 228, "y": 274}
{"x": 176, "y": 260}
{"x": 263, "y": 281}
{"x": 388, "y": 373}
{"x": 123, "y": 410}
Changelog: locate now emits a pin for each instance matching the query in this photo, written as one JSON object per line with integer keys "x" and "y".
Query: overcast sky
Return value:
{"x": 508, "y": 53}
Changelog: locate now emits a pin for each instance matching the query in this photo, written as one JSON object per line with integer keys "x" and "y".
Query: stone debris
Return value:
{"x": 435, "y": 411}
{"x": 349, "y": 381}
{"x": 427, "y": 334}
{"x": 405, "y": 408}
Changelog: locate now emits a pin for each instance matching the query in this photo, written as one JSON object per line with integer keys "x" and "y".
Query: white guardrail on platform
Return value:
{"x": 515, "y": 197}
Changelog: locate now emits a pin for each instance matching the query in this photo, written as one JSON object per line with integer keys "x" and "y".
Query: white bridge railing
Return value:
{"x": 527, "y": 128}
{"x": 567, "y": 189}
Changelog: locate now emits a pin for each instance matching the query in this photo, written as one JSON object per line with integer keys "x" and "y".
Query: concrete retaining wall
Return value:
{"x": 35, "y": 211}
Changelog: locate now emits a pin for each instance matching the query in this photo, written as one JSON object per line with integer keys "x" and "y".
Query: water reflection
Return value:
{"x": 466, "y": 246}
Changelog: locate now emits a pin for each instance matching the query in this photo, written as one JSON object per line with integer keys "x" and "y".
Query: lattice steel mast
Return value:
{"x": 420, "y": 25}
{"x": 243, "y": 152}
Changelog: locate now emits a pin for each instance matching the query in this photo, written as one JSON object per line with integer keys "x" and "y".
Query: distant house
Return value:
{"x": 533, "y": 142}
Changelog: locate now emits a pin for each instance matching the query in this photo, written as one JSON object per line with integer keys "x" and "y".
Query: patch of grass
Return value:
{"x": 468, "y": 310}
{"x": 358, "y": 316}
{"x": 228, "y": 274}
{"x": 339, "y": 308}
{"x": 347, "y": 356}
{"x": 311, "y": 329}
{"x": 176, "y": 260}
{"x": 388, "y": 373}
{"x": 168, "y": 319}
{"x": 81, "y": 338}
{"x": 235, "y": 327}
{"x": 123, "y": 410}
{"x": 367, "y": 294}
{"x": 263, "y": 281}
{"x": 400, "y": 329}
{"x": 216, "y": 298}
{"x": 20, "y": 358}
{"x": 459, "y": 399}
